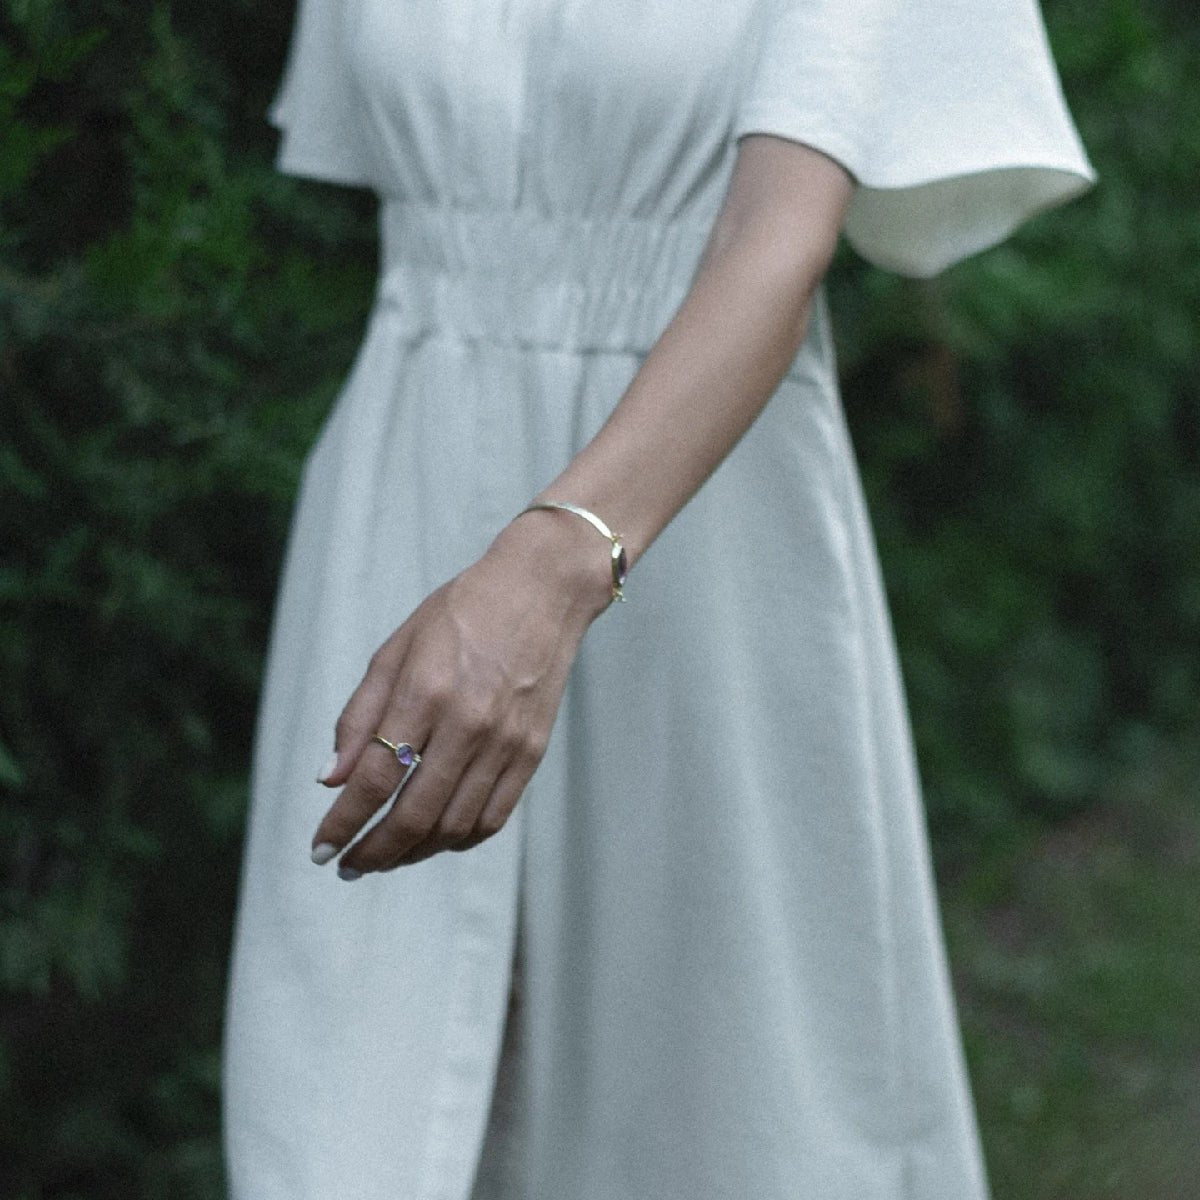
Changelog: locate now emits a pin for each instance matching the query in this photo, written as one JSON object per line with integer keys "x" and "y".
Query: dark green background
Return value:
{"x": 174, "y": 320}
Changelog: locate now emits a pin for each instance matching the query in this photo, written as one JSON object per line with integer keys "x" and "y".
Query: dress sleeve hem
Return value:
{"x": 323, "y": 169}
{"x": 326, "y": 164}
{"x": 918, "y": 217}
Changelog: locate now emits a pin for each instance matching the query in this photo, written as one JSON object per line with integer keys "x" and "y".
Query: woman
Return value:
{"x": 700, "y": 958}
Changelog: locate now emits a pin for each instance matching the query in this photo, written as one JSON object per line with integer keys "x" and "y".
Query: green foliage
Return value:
{"x": 174, "y": 320}
{"x": 1029, "y": 430}
{"x": 160, "y": 292}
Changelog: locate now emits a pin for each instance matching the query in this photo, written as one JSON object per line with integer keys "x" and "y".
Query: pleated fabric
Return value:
{"x": 703, "y": 959}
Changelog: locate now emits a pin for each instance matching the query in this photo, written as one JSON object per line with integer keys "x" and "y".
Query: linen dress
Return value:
{"x": 707, "y": 941}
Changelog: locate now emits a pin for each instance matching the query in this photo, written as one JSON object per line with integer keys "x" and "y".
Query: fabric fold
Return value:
{"x": 948, "y": 114}
{"x": 317, "y": 106}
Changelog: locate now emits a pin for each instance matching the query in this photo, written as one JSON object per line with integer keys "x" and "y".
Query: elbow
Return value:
{"x": 783, "y": 214}
{"x": 798, "y": 263}
{"x": 774, "y": 268}
{"x": 773, "y": 261}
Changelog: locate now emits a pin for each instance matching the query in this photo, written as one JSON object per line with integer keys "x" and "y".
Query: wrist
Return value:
{"x": 572, "y": 562}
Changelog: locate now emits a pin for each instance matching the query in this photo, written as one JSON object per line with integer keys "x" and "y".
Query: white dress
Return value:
{"x": 732, "y": 982}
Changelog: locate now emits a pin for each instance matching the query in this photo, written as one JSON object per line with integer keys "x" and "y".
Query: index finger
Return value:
{"x": 376, "y": 777}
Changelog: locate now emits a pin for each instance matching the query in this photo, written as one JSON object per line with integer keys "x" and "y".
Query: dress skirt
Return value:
{"x": 733, "y": 977}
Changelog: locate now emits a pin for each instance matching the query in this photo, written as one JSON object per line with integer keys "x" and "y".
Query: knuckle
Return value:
{"x": 490, "y": 824}
{"x": 376, "y": 775}
{"x": 337, "y": 830}
{"x": 381, "y": 660}
{"x": 343, "y": 821}
{"x": 431, "y": 689}
{"x": 409, "y": 828}
{"x": 454, "y": 828}
{"x": 418, "y": 854}
{"x": 370, "y": 858}
{"x": 346, "y": 727}
{"x": 532, "y": 748}
{"x": 474, "y": 719}
{"x": 510, "y": 740}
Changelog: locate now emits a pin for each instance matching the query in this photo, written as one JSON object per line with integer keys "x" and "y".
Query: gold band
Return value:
{"x": 404, "y": 754}
{"x": 619, "y": 562}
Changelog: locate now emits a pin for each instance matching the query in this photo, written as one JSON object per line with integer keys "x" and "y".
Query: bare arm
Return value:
{"x": 724, "y": 353}
{"x": 475, "y": 676}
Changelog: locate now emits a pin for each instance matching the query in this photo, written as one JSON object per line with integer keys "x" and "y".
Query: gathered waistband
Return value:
{"x": 519, "y": 276}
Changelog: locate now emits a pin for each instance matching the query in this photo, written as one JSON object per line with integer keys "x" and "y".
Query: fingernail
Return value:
{"x": 349, "y": 874}
{"x": 328, "y": 769}
{"x": 323, "y": 852}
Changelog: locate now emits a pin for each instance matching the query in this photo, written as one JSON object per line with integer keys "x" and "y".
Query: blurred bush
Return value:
{"x": 174, "y": 320}
{"x": 1029, "y": 431}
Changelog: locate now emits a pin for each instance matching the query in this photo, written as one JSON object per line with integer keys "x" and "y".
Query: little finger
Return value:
{"x": 509, "y": 788}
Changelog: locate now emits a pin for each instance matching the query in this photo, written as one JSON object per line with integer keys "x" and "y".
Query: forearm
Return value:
{"x": 475, "y": 675}
{"x": 725, "y": 351}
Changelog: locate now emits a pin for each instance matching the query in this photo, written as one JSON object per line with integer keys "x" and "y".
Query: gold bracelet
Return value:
{"x": 620, "y": 564}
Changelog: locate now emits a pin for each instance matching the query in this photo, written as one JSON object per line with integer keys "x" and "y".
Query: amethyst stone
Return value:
{"x": 621, "y": 564}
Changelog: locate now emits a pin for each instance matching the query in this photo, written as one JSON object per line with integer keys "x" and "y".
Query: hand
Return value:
{"x": 473, "y": 679}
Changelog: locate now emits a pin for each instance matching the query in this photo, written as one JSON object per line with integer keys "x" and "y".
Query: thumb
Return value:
{"x": 360, "y": 718}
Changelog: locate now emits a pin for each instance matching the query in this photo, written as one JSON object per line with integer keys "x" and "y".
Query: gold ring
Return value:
{"x": 406, "y": 756}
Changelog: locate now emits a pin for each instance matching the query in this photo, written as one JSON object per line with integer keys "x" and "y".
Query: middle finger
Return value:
{"x": 416, "y": 809}
{"x": 460, "y": 817}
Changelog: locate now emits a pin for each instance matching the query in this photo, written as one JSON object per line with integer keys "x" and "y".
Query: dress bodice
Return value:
{"x": 621, "y": 109}
{"x": 588, "y": 124}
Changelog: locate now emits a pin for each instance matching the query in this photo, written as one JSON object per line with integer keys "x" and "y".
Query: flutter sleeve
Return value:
{"x": 318, "y": 105}
{"x": 948, "y": 114}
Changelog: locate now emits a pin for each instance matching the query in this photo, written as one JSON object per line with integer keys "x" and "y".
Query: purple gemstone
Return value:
{"x": 622, "y": 566}
{"x": 404, "y": 754}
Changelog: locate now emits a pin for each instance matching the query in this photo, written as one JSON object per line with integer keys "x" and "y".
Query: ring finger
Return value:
{"x": 416, "y": 810}
{"x": 460, "y": 818}
{"x": 376, "y": 776}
